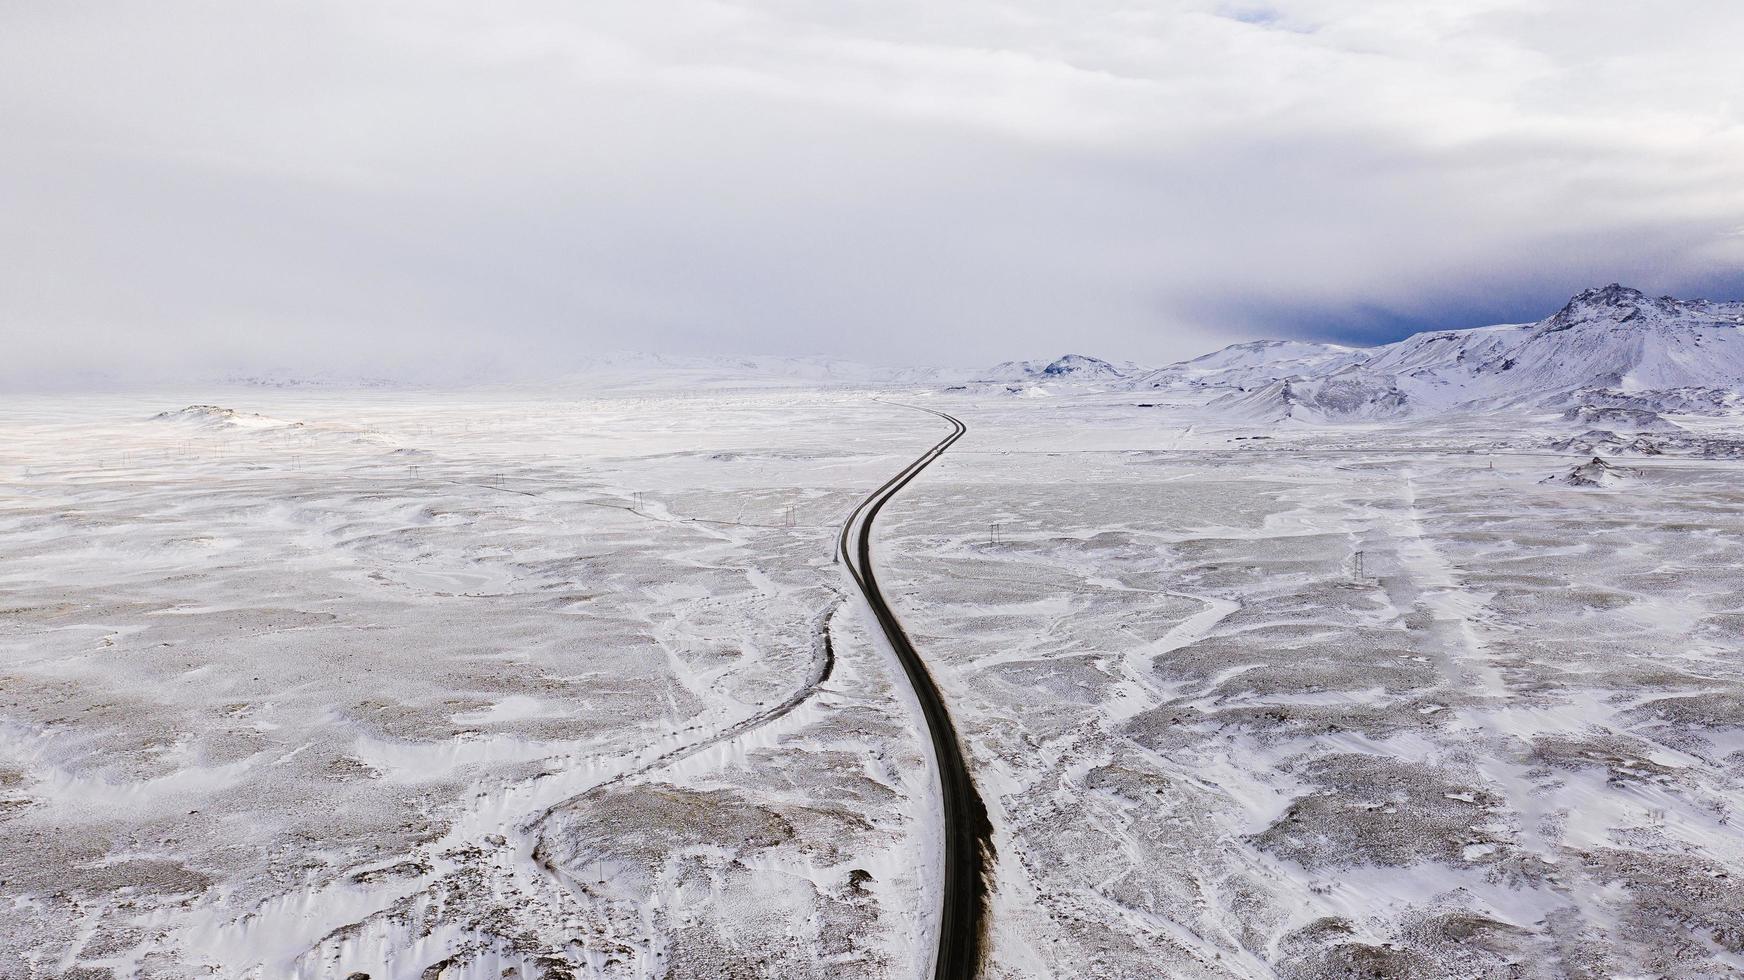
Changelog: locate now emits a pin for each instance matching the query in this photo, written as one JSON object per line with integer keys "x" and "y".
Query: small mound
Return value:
{"x": 1594, "y": 473}
{"x": 219, "y": 417}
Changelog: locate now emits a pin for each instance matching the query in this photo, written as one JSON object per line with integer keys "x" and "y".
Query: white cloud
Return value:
{"x": 328, "y": 182}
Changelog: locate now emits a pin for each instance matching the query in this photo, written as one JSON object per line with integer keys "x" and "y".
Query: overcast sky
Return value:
{"x": 425, "y": 187}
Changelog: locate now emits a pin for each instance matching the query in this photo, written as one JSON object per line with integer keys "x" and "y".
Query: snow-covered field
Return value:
{"x": 1511, "y": 744}
{"x": 548, "y": 683}
{"x": 376, "y": 683}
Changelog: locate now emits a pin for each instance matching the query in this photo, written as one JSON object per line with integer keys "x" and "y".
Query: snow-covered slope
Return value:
{"x": 1608, "y": 347}
{"x": 1346, "y": 395}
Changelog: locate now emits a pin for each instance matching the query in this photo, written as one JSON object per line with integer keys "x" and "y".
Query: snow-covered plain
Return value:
{"x": 567, "y": 683}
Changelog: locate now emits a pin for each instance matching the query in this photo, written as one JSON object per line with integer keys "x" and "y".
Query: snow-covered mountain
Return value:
{"x": 1610, "y": 347}
{"x": 1254, "y": 363}
{"x": 1070, "y": 367}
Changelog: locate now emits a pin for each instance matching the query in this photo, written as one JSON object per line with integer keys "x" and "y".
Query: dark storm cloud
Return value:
{"x": 439, "y": 189}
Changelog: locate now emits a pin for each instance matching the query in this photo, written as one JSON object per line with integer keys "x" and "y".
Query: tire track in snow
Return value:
{"x": 823, "y": 665}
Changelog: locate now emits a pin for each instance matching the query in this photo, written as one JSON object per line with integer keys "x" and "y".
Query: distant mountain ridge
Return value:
{"x": 1610, "y": 344}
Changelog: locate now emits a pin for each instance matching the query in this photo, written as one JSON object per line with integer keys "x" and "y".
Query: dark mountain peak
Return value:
{"x": 1615, "y": 303}
{"x": 1615, "y": 294}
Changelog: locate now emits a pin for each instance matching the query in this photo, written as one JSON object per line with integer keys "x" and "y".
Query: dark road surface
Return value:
{"x": 966, "y": 828}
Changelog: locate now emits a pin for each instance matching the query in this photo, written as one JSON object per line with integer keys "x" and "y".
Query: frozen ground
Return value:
{"x": 443, "y": 686}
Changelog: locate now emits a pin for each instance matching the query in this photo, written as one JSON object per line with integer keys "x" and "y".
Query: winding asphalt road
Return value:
{"x": 967, "y": 831}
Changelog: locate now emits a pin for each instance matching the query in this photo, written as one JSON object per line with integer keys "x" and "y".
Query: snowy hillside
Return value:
{"x": 1608, "y": 347}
